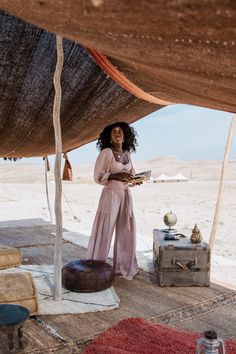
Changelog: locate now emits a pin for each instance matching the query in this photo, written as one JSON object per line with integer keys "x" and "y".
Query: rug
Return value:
{"x": 138, "y": 336}
{"x": 71, "y": 302}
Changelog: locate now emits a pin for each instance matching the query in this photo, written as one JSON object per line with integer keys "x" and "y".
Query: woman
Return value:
{"x": 114, "y": 170}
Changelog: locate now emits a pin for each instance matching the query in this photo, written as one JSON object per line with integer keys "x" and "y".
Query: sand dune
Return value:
{"x": 198, "y": 170}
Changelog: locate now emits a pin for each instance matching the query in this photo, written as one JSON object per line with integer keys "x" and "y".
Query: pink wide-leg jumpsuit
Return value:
{"x": 115, "y": 211}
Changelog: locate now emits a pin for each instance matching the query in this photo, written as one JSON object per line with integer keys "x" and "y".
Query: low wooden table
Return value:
{"x": 12, "y": 318}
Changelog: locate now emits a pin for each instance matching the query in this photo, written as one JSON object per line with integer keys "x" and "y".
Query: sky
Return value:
{"x": 184, "y": 131}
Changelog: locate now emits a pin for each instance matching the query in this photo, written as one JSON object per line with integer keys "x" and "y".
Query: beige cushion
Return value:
{"x": 9, "y": 257}
{"x": 18, "y": 288}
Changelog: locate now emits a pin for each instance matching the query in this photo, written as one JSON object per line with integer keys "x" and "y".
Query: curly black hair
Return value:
{"x": 130, "y": 141}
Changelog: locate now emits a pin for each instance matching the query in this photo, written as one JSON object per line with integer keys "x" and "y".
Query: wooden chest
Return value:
{"x": 180, "y": 262}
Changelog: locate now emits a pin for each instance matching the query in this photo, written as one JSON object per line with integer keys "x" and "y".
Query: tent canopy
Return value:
{"x": 177, "y": 178}
{"x": 182, "y": 52}
{"x": 180, "y": 177}
{"x": 90, "y": 99}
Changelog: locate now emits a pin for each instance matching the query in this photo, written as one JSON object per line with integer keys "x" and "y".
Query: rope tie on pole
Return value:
{"x": 47, "y": 169}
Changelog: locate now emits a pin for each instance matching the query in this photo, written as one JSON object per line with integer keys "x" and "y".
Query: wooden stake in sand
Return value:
{"x": 57, "y": 170}
{"x": 221, "y": 188}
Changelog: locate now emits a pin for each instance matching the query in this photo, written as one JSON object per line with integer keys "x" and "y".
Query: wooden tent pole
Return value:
{"x": 57, "y": 170}
{"x": 221, "y": 188}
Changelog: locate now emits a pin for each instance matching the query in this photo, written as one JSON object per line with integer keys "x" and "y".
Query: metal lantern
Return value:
{"x": 209, "y": 344}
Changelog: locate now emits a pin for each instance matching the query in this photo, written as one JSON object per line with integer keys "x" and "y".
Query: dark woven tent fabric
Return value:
{"x": 90, "y": 99}
{"x": 179, "y": 51}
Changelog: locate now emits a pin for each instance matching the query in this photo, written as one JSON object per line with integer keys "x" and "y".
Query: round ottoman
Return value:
{"x": 87, "y": 275}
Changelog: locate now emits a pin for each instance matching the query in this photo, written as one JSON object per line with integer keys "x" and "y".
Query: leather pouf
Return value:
{"x": 87, "y": 275}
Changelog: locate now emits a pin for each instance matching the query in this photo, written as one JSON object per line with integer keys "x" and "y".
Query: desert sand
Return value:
{"x": 23, "y": 202}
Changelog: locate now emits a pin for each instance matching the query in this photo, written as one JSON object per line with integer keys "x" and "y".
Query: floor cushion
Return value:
{"x": 9, "y": 257}
{"x": 18, "y": 288}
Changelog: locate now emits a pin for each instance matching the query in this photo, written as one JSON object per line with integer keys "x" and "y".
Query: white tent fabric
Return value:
{"x": 180, "y": 178}
{"x": 164, "y": 178}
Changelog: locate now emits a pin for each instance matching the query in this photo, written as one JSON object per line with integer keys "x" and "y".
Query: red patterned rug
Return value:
{"x": 137, "y": 336}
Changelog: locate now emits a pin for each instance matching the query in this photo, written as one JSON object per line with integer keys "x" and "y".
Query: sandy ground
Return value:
{"x": 23, "y": 202}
